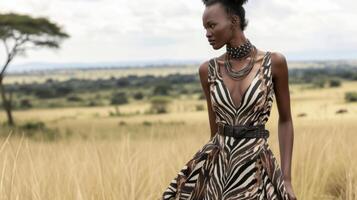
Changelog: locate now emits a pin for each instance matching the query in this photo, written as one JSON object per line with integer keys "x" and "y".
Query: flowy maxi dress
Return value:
{"x": 226, "y": 168}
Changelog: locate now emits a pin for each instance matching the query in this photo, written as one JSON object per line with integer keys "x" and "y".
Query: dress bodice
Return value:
{"x": 256, "y": 101}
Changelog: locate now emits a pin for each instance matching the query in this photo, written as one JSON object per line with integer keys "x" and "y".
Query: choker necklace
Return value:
{"x": 240, "y": 74}
{"x": 239, "y": 52}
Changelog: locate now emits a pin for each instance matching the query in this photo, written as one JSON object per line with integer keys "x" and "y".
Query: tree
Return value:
{"x": 20, "y": 33}
{"x": 119, "y": 98}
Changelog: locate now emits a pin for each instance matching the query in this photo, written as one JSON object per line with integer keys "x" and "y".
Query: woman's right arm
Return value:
{"x": 203, "y": 72}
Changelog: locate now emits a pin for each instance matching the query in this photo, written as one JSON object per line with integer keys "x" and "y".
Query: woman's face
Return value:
{"x": 218, "y": 25}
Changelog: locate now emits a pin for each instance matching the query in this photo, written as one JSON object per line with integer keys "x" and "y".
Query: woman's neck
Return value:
{"x": 237, "y": 40}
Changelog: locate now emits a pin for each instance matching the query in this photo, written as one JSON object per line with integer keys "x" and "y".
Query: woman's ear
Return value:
{"x": 234, "y": 22}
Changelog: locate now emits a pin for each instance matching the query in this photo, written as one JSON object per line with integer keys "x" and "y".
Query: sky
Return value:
{"x": 124, "y": 30}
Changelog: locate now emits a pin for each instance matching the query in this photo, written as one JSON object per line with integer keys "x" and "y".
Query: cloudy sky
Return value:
{"x": 124, "y": 30}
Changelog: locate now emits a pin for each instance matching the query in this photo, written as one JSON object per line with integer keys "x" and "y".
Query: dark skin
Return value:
{"x": 223, "y": 28}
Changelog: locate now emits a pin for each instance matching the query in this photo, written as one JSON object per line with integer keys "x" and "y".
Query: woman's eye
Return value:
{"x": 212, "y": 26}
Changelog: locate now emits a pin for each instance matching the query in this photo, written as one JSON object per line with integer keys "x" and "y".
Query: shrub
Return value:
{"x": 45, "y": 93}
{"x": 25, "y": 103}
{"x": 159, "y": 104}
{"x": 38, "y": 130}
{"x": 138, "y": 96}
{"x": 115, "y": 113}
{"x": 202, "y": 96}
{"x": 162, "y": 89}
{"x": 334, "y": 83}
{"x": 74, "y": 98}
{"x": 200, "y": 107}
{"x": 351, "y": 96}
{"x": 119, "y": 98}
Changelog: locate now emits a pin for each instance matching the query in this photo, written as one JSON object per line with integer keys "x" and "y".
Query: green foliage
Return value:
{"x": 74, "y": 98}
{"x": 202, "y": 96}
{"x": 138, "y": 95}
{"x": 334, "y": 83}
{"x": 25, "y": 103}
{"x": 200, "y": 107}
{"x": 310, "y": 74}
{"x": 39, "y": 131}
{"x": 38, "y": 31}
{"x": 115, "y": 113}
{"x": 162, "y": 89}
{"x": 147, "y": 123}
{"x": 351, "y": 96}
{"x": 119, "y": 98}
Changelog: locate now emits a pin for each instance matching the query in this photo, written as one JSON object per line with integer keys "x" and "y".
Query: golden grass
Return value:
{"x": 138, "y": 161}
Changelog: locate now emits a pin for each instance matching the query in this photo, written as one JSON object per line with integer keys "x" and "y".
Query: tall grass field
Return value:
{"x": 134, "y": 157}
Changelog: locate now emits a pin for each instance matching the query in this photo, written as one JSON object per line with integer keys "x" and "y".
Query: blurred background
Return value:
{"x": 101, "y": 99}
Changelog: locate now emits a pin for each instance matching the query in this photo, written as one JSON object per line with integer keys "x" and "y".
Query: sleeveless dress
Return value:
{"x": 226, "y": 168}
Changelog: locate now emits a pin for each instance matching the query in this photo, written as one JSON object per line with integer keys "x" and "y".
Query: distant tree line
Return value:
{"x": 53, "y": 89}
{"x": 145, "y": 87}
{"x": 311, "y": 75}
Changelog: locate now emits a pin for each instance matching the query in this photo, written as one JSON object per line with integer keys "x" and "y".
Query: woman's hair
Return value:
{"x": 232, "y": 7}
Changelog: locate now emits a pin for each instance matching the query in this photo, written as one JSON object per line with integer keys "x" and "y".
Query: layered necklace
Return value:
{"x": 240, "y": 53}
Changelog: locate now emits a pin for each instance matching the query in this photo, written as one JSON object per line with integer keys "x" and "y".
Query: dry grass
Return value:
{"x": 137, "y": 161}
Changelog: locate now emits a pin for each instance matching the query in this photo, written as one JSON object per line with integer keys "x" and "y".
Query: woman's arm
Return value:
{"x": 203, "y": 72}
{"x": 285, "y": 126}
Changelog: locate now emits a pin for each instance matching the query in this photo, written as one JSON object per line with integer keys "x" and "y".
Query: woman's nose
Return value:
{"x": 208, "y": 34}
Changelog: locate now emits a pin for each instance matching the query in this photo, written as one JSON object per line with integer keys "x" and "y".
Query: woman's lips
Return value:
{"x": 211, "y": 42}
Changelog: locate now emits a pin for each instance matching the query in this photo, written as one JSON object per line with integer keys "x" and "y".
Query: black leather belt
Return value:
{"x": 243, "y": 131}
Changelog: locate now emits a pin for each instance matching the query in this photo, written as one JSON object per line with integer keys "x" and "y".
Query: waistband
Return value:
{"x": 243, "y": 131}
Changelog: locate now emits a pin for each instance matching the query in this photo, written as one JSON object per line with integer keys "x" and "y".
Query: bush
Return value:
{"x": 123, "y": 82}
{"x": 138, "y": 96}
{"x": 45, "y": 93}
{"x": 33, "y": 126}
{"x": 38, "y": 130}
{"x": 93, "y": 103}
{"x": 25, "y": 103}
{"x": 202, "y": 96}
{"x": 74, "y": 98}
{"x": 63, "y": 90}
{"x": 115, "y": 113}
{"x": 200, "y": 107}
{"x": 162, "y": 89}
{"x": 159, "y": 104}
{"x": 119, "y": 98}
{"x": 334, "y": 83}
{"x": 351, "y": 96}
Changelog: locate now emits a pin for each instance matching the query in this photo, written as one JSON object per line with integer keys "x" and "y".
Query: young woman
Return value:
{"x": 237, "y": 162}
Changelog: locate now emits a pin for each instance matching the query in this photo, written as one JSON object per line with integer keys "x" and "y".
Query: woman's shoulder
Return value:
{"x": 203, "y": 67}
{"x": 278, "y": 64}
{"x": 278, "y": 58}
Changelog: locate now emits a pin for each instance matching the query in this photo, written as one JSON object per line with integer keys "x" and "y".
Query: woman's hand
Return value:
{"x": 289, "y": 190}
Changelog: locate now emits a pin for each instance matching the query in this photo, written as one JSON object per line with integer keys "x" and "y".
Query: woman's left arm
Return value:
{"x": 285, "y": 126}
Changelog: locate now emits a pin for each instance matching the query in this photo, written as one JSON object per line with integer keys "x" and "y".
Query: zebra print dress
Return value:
{"x": 226, "y": 168}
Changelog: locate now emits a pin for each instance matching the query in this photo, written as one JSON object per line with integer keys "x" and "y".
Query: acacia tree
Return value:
{"x": 20, "y": 33}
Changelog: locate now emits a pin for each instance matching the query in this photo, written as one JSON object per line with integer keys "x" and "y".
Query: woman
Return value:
{"x": 237, "y": 162}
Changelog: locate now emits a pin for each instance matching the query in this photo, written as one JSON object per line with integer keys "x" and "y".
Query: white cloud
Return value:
{"x": 112, "y": 30}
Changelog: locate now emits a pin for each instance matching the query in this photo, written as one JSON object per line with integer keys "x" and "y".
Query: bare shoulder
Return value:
{"x": 203, "y": 72}
{"x": 279, "y": 64}
{"x": 203, "y": 68}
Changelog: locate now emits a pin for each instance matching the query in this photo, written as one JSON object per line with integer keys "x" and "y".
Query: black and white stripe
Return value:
{"x": 226, "y": 168}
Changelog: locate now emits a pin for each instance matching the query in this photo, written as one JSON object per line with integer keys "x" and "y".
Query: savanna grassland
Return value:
{"x": 135, "y": 154}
